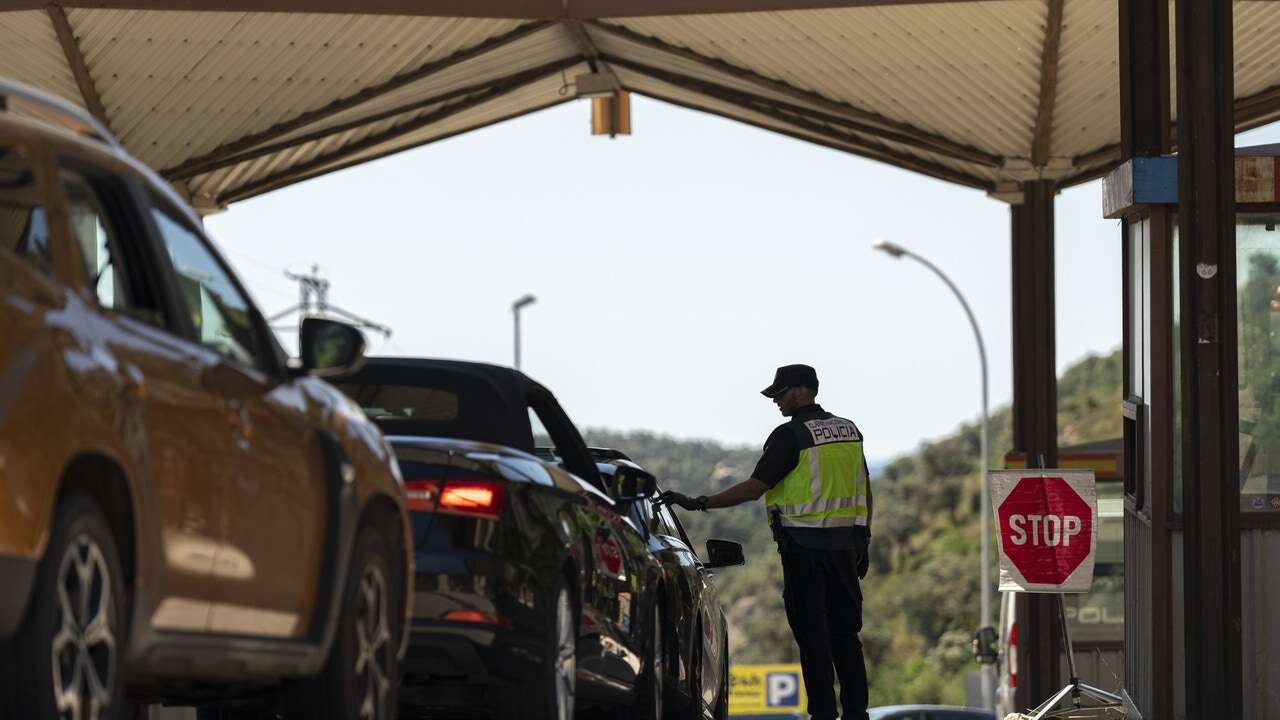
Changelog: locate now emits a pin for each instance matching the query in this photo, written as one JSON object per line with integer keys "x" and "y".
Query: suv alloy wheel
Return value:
{"x": 361, "y": 679}
{"x": 65, "y": 661}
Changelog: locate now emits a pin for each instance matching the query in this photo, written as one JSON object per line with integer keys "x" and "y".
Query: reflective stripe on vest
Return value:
{"x": 828, "y": 486}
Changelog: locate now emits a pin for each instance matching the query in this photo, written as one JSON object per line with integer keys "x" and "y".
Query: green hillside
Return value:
{"x": 921, "y": 597}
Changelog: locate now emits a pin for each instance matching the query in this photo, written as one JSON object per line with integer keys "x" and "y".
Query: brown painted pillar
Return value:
{"x": 1148, "y": 361}
{"x": 1035, "y": 416}
{"x": 1210, "y": 441}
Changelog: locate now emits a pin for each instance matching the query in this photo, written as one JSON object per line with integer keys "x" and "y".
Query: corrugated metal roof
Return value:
{"x": 30, "y": 53}
{"x": 1087, "y": 111}
{"x": 181, "y": 83}
{"x": 905, "y": 62}
{"x": 232, "y": 103}
{"x": 314, "y": 158}
{"x": 1257, "y": 54}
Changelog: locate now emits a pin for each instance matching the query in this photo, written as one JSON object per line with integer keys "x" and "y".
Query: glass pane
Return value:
{"x": 219, "y": 313}
{"x": 1177, "y": 373}
{"x": 403, "y": 402}
{"x": 89, "y": 226}
{"x": 1258, "y": 343}
{"x": 1098, "y": 615}
{"x": 24, "y": 228}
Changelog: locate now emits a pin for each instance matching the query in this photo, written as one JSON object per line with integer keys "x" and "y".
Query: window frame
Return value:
{"x": 118, "y": 198}
{"x": 566, "y": 441}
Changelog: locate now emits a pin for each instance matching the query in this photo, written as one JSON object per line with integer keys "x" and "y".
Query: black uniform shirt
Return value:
{"x": 780, "y": 457}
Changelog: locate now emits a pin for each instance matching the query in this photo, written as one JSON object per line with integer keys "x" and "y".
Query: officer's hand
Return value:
{"x": 672, "y": 497}
{"x": 864, "y": 559}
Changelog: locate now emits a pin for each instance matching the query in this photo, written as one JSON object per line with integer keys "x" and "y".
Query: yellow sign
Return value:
{"x": 766, "y": 690}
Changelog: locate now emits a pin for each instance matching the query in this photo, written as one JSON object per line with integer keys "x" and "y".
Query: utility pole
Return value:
{"x": 313, "y": 301}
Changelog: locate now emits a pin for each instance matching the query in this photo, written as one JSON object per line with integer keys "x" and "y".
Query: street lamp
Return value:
{"x": 897, "y": 251}
{"x": 522, "y": 302}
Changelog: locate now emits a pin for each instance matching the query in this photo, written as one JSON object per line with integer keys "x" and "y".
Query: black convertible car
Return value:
{"x": 694, "y": 644}
{"x": 535, "y": 592}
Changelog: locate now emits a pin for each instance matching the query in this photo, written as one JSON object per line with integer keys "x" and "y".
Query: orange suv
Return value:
{"x": 186, "y": 516}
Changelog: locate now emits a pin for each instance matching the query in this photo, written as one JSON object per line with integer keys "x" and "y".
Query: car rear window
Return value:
{"x": 403, "y": 402}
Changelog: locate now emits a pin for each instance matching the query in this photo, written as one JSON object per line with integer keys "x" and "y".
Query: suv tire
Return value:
{"x": 361, "y": 679}
{"x": 65, "y": 660}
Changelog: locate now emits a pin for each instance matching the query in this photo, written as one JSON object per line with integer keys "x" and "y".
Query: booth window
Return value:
{"x": 1258, "y": 356}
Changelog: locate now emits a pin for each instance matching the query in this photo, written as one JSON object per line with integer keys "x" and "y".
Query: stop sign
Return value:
{"x": 1046, "y": 521}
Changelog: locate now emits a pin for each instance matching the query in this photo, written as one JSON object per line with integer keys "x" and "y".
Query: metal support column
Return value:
{"x": 1210, "y": 441}
{"x": 1035, "y": 415}
{"x": 1148, "y": 366}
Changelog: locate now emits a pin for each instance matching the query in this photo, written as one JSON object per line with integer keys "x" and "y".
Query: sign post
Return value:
{"x": 1047, "y": 527}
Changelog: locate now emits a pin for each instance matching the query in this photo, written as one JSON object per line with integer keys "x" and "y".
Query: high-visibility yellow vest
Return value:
{"x": 828, "y": 486}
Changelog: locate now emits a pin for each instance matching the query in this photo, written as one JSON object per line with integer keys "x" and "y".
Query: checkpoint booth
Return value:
{"x": 1158, "y": 343}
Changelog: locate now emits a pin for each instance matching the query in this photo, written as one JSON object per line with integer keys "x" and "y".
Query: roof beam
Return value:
{"x": 200, "y": 164}
{"x": 788, "y": 112}
{"x": 75, "y": 60}
{"x": 918, "y": 138}
{"x": 296, "y": 141}
{"x": 550, "y": 9}
{"x": 589, "y": 50}
{"x": 1043, "y": 136}
{"x": 795, "y": 116}
{"x": 238, "y": 194}
{"x": 923, "y": 167}
{"x": 515, "y": 82}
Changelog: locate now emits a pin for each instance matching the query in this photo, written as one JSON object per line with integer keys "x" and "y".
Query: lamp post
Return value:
{"x": 520, "y": 303}
{"x": 897, "y": 251}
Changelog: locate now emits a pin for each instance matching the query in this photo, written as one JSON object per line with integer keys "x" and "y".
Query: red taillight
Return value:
{"x": 482, "y": 499}
{"x": 475, "y": 616}
{"x": 1013, "y": 655}
{"x": 421, "y": 495}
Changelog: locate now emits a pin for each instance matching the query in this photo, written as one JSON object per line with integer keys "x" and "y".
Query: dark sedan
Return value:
{"x": 695, "y": 640}
{"x": 535, "y": 592}
{"x": 929, "y": 712}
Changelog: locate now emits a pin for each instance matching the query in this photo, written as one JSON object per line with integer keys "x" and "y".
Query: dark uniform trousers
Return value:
{"x": 824, "y": 608}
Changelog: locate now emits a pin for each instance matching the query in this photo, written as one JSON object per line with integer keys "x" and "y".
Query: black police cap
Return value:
{"x": 789, "y": 376}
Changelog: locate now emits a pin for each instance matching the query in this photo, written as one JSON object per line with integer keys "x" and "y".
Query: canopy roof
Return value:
{"x": 231, "y": 98}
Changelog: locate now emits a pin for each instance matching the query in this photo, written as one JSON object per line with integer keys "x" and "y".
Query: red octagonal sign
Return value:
{"x": 1046, "y": 529}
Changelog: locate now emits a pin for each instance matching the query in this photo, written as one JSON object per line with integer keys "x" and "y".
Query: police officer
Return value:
{"x": 814, "y": 480}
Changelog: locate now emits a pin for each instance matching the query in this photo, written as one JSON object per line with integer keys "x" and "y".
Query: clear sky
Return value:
{"x": 677, "y": 267}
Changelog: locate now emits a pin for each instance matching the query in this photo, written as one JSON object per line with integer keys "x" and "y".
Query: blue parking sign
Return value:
{"x": 782, "y": 689}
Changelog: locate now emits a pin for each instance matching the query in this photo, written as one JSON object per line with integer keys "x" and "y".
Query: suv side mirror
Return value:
{"x": 724, "y": 553}
{"x": 329, "y": 348}
{"x": 631, "y": 484}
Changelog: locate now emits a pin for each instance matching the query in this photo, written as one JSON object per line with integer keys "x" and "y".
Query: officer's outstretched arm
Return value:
{"x": 745, "y": 491}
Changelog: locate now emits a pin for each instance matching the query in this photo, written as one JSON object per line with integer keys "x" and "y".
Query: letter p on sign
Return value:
{"x": 782, "y": 690}
{"x": 1047, "y": 525}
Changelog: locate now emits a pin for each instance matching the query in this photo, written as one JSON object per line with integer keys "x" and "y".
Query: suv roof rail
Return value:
{"x": 25, "y": 100}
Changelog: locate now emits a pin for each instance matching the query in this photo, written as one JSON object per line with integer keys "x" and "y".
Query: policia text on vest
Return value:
{"x": 814, "y": 480}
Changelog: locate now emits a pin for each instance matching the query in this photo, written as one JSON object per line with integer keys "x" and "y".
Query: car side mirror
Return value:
{"x": 724, "y": 553}
{"x": 329, "y": 348}
{"x": 631, "y": 484}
